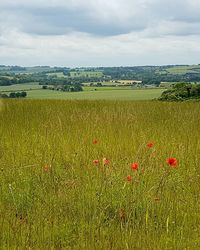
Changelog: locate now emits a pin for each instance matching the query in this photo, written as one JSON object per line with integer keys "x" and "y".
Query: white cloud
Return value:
{"x": 79, "y": 49}
{"x": 99, "y": 32}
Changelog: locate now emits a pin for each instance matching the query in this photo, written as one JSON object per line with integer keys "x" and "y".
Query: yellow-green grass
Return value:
{"x": 52, "y": 196}
{"x": 101, "y": 93}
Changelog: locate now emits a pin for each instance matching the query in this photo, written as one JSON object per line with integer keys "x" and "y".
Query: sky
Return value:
{"x": 85, "y": 33}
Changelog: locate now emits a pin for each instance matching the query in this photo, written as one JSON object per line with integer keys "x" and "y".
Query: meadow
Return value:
{"x": 20, "y": 87}
{"x": 35, "y": 91}
{"x": 101, "y": 93}
{"x": 99, "y": 175}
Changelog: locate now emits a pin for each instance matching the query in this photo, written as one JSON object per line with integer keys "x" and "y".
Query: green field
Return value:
{"x": 181, "y": 70}
{"x": 78, "y": 73}
{"x": 52, "y": 195}
{"x": 35, "y": 91}
{"x": 20, "y": 87}
{"x": 57, "y": 74}
{"x": 86, "y": 73}
{"x": 101, "y": 93}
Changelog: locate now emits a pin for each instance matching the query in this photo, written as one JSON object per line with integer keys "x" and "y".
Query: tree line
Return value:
{"x": 22, "y": 94}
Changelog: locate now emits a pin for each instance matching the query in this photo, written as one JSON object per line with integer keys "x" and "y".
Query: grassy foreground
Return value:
{"x": 52, "y": 195}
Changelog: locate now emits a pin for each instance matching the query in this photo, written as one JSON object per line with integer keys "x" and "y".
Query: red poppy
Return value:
{"x": 134, "y": 166}
{"x": 172, "y": 162}
{"x": 106, "y": 161}
{"x": 96, "y": 162}
{"x": 129, "y": 178}
{"x": 95, "y": 141}
{"x": 150, "y": 145}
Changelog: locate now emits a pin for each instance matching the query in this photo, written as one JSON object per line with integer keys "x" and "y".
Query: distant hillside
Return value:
{"x": 35, "y": 69}
{"x": 181, "y": 70}
{"x": 147, "y": 74}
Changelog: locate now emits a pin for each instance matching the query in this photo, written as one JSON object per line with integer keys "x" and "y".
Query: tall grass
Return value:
{"x": 52, "y": 196}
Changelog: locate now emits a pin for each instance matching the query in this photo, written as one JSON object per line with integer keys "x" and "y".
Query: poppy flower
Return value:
{"x": 129, "y": 178}
{"x": 106, "y": 161}
{"x": 95, "y": 141}
{"x": 96, "y": 162}
{"x": 172, "y": 162}
{"x": 150, "y": 145}
{"x": 134, "y": 166}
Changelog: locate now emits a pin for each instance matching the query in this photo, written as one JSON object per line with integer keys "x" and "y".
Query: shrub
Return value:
{"x": 22, "y": 94}
{"x": 181, "y": 91}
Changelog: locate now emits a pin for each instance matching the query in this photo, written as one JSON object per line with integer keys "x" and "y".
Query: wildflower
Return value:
{"x": 134, "y": 166}
{"x": 95, "y": 141}
{"x": 172, "y": 162}
{"x": 106, "y": 161}
{"x": 96, "y": 162}
{"x": 150, "y": 145}
{"x": 129, "y": 178}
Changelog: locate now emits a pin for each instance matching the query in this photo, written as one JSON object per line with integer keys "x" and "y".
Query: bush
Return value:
{"x": 22, "y": 94}
{"x": 195, "y": 91}
{"x": 181, "y": 91}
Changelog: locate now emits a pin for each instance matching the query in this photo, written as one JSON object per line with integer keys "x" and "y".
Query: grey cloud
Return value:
{"x": 99, "y": 32}
{"x": 59, "y": 21}
{"x": 110, "y": 19}
{"x": 177, "y": 10}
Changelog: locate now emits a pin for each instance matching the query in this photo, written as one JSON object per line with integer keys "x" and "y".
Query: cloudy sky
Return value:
{"x": 99, "y": 32}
